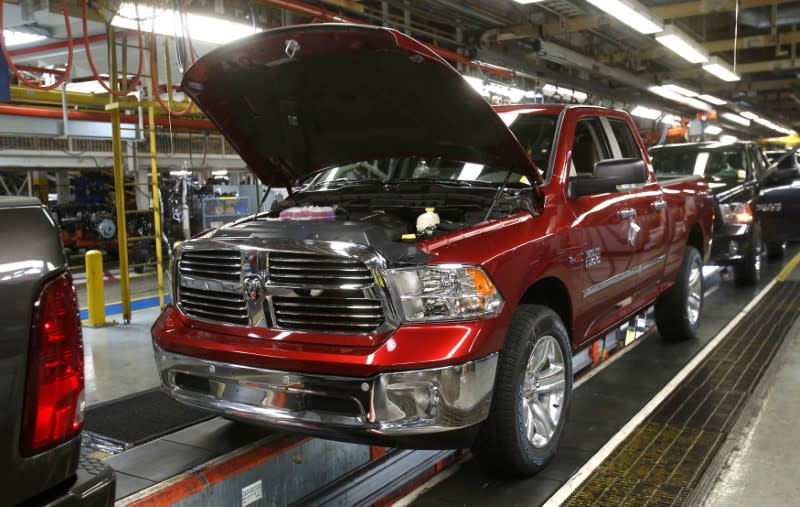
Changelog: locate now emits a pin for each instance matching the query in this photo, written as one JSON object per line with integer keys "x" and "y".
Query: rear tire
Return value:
{"x": 776, "y": 249}
{"x": 678, "y": 310}
{"x": 531, "y": 396}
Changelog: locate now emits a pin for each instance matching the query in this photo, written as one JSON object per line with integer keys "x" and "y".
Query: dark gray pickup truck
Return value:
{"x": 41, "y": 369}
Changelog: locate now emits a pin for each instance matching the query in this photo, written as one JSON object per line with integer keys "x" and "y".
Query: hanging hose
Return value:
{"x": 135, "y": 81}
{"x": 154, "y": 67}
{"x": 20, "y": 76}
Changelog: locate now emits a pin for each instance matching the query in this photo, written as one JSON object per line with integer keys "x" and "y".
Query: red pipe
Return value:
{"x": 55, "y": 45}
{"x": 43, "y": 112}
{"x": 40, "y": 70}
{"x": 319, "y": 12}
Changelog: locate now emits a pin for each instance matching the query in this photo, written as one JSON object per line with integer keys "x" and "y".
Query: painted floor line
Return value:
{"x": 586, "y": 470}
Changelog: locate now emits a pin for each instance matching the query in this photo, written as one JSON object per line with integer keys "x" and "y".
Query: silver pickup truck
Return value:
{"x": 41, "y": 369}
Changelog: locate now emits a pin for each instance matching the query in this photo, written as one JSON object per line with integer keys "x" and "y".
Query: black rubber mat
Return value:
{"x": 663, "y": 460}
{"x": 603, "y": 405}
{"x": 140, "y": 417}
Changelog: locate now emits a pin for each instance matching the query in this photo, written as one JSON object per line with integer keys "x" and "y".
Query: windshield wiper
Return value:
{"x": 341, "y": 182}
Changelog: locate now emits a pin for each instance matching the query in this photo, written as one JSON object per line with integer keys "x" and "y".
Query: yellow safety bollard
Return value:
{"x": 95, "y": 290}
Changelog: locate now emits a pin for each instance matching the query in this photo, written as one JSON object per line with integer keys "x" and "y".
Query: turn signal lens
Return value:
{"x": 483, "y": 286}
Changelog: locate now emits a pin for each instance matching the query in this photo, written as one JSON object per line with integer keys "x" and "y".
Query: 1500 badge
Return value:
{"x": 592, "y": 257}
{"x": 769, "y": 207}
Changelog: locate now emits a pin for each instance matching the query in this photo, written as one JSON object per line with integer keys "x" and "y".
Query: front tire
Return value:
{"x": 531, "y": 397}
{"x": 748, "y": 271}
{"x": 678, "y": 310}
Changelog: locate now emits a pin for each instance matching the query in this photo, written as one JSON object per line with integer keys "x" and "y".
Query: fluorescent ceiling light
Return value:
{"x": 168, "y": 22}
{"x": 477, "y": 84}
{"x": 667, "y": 94}
{"x": 646, "y": 112}
{"x": 712, "y": 99}
{"x": 15, "y": 38}
{"x": 671, "y": 119}
{"x": 697, "y": 104}
{"x": 735, "y": 118}
{"x": 719, "y": 68}
{"x": 680, "y": 89}
{"x": 526, "y": 2}
{"x": 750, "y": 116}
{"x": 728, "y": 139}
{"x": 631, "y": 13}
{"x": 713, "y": 130}
{"x": 682, "y": 44}
{"x": 219, "y": 172}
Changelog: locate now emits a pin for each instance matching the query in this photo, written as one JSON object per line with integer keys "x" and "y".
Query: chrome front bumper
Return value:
{"x": 389, "y": 404}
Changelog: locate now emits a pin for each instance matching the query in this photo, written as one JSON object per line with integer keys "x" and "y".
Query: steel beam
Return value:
{"x": 702, "y": 7}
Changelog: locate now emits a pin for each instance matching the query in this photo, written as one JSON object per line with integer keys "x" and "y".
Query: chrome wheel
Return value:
{"x": 694, "y": 301}
{"x": 543, "y": 391}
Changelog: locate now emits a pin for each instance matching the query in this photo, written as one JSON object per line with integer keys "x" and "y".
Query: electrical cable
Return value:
{"x": 18, "y": 73}
{"x": 136, "y": 80}
{"x": 154, "y": 69}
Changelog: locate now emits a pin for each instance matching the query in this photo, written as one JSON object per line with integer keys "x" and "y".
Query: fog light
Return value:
{"x": 733, "y": 247}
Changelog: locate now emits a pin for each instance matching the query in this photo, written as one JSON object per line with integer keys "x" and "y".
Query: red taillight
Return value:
{"x": 54, "y": 389}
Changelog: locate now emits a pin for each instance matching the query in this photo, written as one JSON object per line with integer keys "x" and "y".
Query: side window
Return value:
{"x": 625, "y": 140}
{"x": 589, "y": 146}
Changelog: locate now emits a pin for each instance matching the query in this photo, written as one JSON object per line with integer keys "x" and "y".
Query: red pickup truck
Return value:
{"x": 442, "y": 261}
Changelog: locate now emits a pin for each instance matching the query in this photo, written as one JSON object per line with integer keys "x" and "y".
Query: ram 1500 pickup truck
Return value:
{"x": 41, "y": 369}
{"x": 442, "y": 261}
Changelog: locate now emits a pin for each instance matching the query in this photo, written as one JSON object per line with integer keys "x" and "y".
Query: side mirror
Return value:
{"x": 779, "y": 177}
{"x": 608, "y": 175}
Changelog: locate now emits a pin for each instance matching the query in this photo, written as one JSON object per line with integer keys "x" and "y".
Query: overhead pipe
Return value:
{"x": 41, "y": 70}
{"x": 324, "y": 14}
{"x": 43, "y": 112}
{"x": 53, "y": 46}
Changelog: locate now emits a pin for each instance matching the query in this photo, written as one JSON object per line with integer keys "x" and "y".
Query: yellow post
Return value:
{"x": 95, "y": 290}
{"x": 122, "y": 226}
{"x": 156, "y": 201}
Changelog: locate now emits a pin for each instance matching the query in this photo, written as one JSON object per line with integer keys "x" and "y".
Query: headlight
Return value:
{"x": 736, "y": 213}
{"x": 445, "y": 292}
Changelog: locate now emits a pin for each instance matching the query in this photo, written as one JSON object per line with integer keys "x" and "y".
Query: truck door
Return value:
{"x": 602, "y": 222}
{"x": 647, "y": 223}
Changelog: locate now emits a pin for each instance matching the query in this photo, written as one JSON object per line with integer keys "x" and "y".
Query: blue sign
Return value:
{"x": 5, "y": 88}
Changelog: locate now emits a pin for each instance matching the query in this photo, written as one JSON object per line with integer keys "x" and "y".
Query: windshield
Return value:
{"x": 715, "y": 163}
{"x": 535, "y": 133}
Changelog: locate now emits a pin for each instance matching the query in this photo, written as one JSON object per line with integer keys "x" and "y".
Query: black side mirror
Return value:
{"x": 608, "y": 176}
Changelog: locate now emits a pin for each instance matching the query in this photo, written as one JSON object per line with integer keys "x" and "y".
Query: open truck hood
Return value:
{"x": 299, "y": 99}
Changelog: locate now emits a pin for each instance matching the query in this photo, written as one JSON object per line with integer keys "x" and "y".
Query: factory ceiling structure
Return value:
{"x": 738, "y": 57}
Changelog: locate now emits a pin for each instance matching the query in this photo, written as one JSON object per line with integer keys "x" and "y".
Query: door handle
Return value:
{"x": 626, "y": 214}
{"x": 659, "y": 205}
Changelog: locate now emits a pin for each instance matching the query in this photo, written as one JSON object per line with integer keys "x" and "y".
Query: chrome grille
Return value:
{"x": 201, "y": 302}
{"x": 301, "y": 269}
{"x": 214, "y": 264}
{"x": 356, "y": 315}
{"x": 214, "y": 305}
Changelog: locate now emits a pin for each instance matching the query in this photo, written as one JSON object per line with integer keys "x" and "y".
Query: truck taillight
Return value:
{"x": 54, "y": 387}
